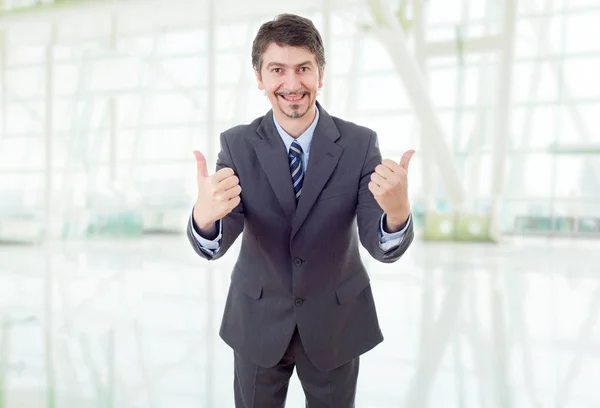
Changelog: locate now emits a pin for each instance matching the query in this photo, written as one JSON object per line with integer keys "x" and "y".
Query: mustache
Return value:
{"x": 287, "y": 92}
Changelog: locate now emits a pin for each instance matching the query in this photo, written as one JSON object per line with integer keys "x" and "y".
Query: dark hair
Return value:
{"x": 288, "y": 29}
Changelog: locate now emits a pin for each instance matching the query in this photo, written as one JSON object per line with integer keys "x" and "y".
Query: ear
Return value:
{"x": 261, "y": 86}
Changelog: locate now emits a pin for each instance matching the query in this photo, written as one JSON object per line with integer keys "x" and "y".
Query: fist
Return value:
{"x": 389, "y": 185}
{"x": 218, "y": 194}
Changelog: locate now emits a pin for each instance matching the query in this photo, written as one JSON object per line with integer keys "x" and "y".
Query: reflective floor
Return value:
{"x": 134, "y": 324}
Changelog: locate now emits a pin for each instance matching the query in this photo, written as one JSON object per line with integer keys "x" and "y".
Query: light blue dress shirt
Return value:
{"x": 387, "y": 240}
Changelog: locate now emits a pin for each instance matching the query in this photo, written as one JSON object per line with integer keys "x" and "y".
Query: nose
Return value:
{"x": 291, "y": 81}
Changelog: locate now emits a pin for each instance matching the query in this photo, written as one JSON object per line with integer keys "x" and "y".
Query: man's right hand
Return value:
{"x": 218, "y": 195}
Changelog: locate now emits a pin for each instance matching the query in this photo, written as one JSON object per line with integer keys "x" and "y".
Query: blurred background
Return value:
{"x": 103, "y": 303}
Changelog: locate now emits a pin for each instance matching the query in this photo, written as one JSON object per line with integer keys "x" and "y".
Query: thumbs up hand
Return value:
{"x": 218, "y": 194}
{"x": 389, "y": 185}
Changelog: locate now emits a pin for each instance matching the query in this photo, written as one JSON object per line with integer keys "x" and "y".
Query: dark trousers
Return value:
{"x": 258, "y": 387}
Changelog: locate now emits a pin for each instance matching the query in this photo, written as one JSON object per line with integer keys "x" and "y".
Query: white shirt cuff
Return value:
{"x": 209, "y": 246}
{"x": 389, "y": 240}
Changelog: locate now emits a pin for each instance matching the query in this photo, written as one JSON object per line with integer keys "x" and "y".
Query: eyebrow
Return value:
{"x": 278, "y": 64}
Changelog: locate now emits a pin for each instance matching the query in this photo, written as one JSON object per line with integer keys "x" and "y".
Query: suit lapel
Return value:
{"x": 273, "y": 158}
{"x": 324, "y": 156}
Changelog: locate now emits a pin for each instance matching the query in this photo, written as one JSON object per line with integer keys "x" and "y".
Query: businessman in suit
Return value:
{"x": 303, "y": 188}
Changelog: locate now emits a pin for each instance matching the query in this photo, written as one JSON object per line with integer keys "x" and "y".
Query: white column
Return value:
{"x": 425, "y": 153}
{"x": 4, "y": 359}
{"x": 327, "y": 41}
{"x": 3, "y": 83}
{"x": 48, "y": 137}
{"x": 112, "y": 111}
{"x": 353, "y": 83}
{"x": 504, "y": 114}
{"x": 50, "y": 224}
{"x": 212, "y": 136}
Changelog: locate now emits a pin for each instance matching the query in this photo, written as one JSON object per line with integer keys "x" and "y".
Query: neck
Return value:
{"x": 295, "y": 127}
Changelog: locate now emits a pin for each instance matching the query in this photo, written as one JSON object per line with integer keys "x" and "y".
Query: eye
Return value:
{"x": 276, "y": 70}
{"x": 304, "y": 69}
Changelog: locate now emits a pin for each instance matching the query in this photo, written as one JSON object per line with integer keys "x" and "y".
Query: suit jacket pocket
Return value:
{"x": 352, "y": 287}
{"x": 250, "y": 287}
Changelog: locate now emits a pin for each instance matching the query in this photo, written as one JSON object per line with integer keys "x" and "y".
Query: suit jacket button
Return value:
{"x": 298, "y": 262}
{"x": 299, "y": 302}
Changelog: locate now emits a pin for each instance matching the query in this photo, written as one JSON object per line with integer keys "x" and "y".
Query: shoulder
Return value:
{"x": 242, "y": 130}
{"x": 347, "y": 127}
{"x": 354, "y": 132}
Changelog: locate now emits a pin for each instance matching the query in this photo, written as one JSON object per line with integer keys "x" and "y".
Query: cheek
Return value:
{"x": 273, "y": 86}
{"x": 313, "y": 84}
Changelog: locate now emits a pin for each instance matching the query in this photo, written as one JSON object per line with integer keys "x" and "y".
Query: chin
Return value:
{"x": 296, "y": 113}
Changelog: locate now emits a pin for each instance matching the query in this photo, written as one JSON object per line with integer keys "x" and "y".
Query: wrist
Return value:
{"x": 395, "y": 223}
{"x": 201, "y": 223}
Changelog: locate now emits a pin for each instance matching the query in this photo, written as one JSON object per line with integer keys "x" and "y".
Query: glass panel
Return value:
{"x": 177, "y": 42}
{"x": 26, "y": 83}
{"x": 442, "y": 86}
{"x": 177, "y": 72}
{"x": 173, "y": 108}
{"x": 588, "y": 114}
{"x": 582, "y": 76}
{"x": 439, "y": 11}
{"x": 534, "y": 127}
{"x": 374, "y": 56}
{"x": 25, "y": 54}
{"x": 539, "y": 36}
{"x": 113, "y": 74}
{"x": 24, "y": 117}
{"x": 230, "y": 66}
{"x": 583, "y": 32}
{"x": 380, "y": 93}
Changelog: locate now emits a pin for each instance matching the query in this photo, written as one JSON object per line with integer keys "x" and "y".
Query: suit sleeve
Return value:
{"x": 369, "y": 213}
{"x": 232, "y": 224}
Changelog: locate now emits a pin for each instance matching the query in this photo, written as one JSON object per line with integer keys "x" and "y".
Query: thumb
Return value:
{"x": 406, "y": 159}
{"x": 201, "y": 164}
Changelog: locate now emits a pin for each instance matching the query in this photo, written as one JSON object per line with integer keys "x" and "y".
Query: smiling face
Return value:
{"x": 290, "y": 76}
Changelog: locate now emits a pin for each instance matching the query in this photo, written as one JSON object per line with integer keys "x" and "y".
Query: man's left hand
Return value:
{"x": 389, "y": 185}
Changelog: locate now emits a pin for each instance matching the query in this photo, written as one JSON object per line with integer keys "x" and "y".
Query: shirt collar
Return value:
{"x": 304, "y": 139}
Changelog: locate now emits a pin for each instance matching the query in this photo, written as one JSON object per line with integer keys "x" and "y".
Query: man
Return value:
{"x": 294, "y": 182}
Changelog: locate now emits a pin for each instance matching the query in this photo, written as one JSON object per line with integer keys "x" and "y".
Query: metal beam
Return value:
{"x": 517, "y": 180}
{"x": 546, "y": 48}
{"x": 392, "y": 37}
{"x": 480, "y": 45}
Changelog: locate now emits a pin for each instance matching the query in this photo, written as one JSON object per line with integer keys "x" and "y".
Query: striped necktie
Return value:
{"x": 295, "y": 157}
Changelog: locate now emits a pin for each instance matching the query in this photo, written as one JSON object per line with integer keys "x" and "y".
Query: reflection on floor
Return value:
{"x": 133, "y": 324}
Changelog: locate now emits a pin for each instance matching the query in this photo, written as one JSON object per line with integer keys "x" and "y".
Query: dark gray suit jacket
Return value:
{"x": 301, "y": 266}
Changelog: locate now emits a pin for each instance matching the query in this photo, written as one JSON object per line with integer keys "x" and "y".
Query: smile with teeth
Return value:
{"x": 292, "y": 98}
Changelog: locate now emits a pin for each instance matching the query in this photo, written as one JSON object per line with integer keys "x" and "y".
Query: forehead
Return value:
{"x": 287, "y": 54}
